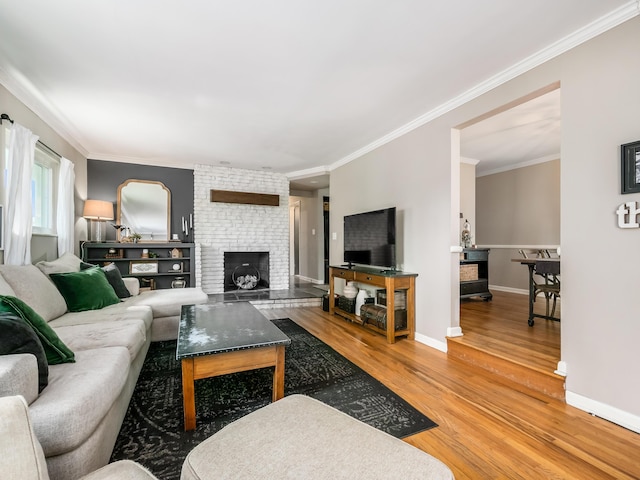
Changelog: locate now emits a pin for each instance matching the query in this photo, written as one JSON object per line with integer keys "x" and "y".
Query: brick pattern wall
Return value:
{"x": 221, "y": 227}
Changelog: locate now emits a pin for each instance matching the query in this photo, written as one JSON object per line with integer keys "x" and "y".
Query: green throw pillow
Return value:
{"x": 85, "y": 290}
{"x": 55, "y": 350}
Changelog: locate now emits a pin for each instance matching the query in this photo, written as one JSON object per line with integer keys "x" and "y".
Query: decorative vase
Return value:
{"x": 466, "y": 234}
{"x": 178, "y": 282}
{"x": 362, "y": 294}
{"x": 350, "y": 290}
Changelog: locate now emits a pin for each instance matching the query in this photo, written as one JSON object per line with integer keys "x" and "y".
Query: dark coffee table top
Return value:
{"x": 224, "y": 327}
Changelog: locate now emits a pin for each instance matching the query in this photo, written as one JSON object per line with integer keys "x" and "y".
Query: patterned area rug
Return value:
{"x": 153, "y": 432}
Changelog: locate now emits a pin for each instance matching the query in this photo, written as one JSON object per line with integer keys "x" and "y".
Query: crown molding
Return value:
{"x": 22, "y": 89}
{"x": 469, "y": 161}
{"x": 309, "y": 172}
{"x": 595, "y": 28}
{"x": 528, "y": 163}
{"x": 154, "y": 162}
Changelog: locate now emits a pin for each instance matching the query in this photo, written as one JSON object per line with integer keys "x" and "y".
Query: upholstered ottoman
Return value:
{"x": 299, "y": 437}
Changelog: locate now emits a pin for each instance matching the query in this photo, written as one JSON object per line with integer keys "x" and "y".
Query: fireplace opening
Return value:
{"x": 246, "y": 271}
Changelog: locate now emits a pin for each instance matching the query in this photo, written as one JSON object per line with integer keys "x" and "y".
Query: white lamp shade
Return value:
{"x": 98, "y": 210}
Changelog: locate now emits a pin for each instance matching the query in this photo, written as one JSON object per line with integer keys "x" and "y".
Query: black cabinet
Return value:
{"x": 474, "y": 273}
{"x": 156, "y": 265}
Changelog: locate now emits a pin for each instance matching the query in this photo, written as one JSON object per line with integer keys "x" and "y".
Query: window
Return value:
{"x": 44, "y": 179}
{"x": 43, "y": 188}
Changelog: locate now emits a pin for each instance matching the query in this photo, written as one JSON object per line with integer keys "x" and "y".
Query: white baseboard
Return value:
{"x": 454, "y": 332}
{"x": 602, "y": 410}
{"x": 432, "y": 342}
{"x": 500, "y": 288}
{"x": 310, "y": 280}
{"x": 562, "y": 369}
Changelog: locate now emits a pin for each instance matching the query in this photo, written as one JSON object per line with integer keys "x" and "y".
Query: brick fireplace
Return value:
{"x": 237, "y": 228}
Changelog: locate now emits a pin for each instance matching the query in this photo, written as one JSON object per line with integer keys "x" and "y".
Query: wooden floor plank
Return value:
{"x": 486, "y": 429}
{"x": 500, "y": 326}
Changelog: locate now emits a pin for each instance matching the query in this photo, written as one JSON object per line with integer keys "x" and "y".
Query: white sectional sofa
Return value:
{"x": 78, "y": 415}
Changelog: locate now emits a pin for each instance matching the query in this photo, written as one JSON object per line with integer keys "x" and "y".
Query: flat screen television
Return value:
{"x": 370, "y": 238}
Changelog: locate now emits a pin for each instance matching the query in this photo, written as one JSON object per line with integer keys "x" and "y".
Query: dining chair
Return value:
{"x": 548, "y": 285}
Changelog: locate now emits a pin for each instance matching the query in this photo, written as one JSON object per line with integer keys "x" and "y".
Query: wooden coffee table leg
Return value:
{"x": 188, "y": 395}
{"x": 278, "y": 374}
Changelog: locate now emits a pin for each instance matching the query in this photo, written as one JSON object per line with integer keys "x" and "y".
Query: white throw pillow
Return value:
{"x": 68, "y": 262}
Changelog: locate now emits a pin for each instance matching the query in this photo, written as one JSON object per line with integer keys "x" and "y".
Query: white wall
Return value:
{"x": 468, "y": 199}
{"x": 600, "y": 99}
{"x": 600, "y": 327}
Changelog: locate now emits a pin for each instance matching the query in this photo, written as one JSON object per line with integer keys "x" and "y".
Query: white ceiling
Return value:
{"x": 523, "y": 135}
{"x": 295, "y": 86}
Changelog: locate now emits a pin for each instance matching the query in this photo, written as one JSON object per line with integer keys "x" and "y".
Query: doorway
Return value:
{"x": 513, "y": 153}
{"x": 294, "y": 238}
{"x": 325, "y": 241}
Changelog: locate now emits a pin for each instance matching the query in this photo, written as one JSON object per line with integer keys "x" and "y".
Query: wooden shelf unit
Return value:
{"x": 478, "y": 287}
{"x": 390, "y": 281}
{"x": 96, "y": 253}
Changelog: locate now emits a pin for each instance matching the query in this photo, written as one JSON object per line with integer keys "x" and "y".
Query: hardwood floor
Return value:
{"x": 487, "y": 429}
{"x": 498, "y": 338}
{"x": 501, "y": 327}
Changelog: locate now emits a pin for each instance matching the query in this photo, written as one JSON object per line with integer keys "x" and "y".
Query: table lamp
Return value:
{"x": 98, "y": 212}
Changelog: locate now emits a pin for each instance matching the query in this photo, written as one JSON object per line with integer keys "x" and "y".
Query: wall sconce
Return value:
{"x": 97, "y": 212}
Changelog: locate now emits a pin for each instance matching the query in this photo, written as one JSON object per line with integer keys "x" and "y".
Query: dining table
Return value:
{"x": 531, "y": 264}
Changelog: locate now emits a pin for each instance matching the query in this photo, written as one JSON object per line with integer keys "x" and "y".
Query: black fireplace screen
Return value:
{"x": 246, "y": 270}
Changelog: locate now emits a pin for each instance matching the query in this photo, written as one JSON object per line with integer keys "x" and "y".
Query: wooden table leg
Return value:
{"x": 391, "y": 312}
{"x": 278, "y": 374}
{"x": 532, "y": 295}
{"x": 188, "y": 395}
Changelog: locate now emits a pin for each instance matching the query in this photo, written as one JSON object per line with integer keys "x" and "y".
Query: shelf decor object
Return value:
{"x": 98, "y": 212}
{"x": 143, "y": 267}
{"x": 630, "y": 153}
{"x": 159, "y": 267}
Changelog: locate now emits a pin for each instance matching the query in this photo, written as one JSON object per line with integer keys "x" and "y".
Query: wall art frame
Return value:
{"x": 142, "y": 267}
{"x": 630, "y": 167}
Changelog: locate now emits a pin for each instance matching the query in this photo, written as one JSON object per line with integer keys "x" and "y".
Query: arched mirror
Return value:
{"x": 144, "y": 207}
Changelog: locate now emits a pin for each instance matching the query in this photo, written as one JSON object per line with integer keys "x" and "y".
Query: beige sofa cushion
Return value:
{"x": 112, "y": 313}
{"x": 5, "y": 288}
{"x": 168, "y": 302}
{"x": 35, "y": 289}
{"x": 19, "y": 376}
{"x": 78, "y": 397}
{"x": 21, "y": 455}
{"x": 131, "y": 334}
{"x": 68, "y": 262}
{"x": 122, "y": 470}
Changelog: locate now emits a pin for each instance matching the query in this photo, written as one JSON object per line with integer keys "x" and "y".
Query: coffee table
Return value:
{"x": 221, "y": 338}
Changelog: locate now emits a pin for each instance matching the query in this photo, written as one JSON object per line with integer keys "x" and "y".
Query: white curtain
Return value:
{"x": 65, "y": 211}
{"x": 22, "y": 147}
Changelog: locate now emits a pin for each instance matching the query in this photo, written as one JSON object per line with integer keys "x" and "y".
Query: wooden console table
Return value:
{"x": 391, "y": 280}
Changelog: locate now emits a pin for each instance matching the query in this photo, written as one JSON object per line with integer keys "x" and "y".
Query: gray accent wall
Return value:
{"x": 519, "y": 207}
{"x": 104, "y": 178}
